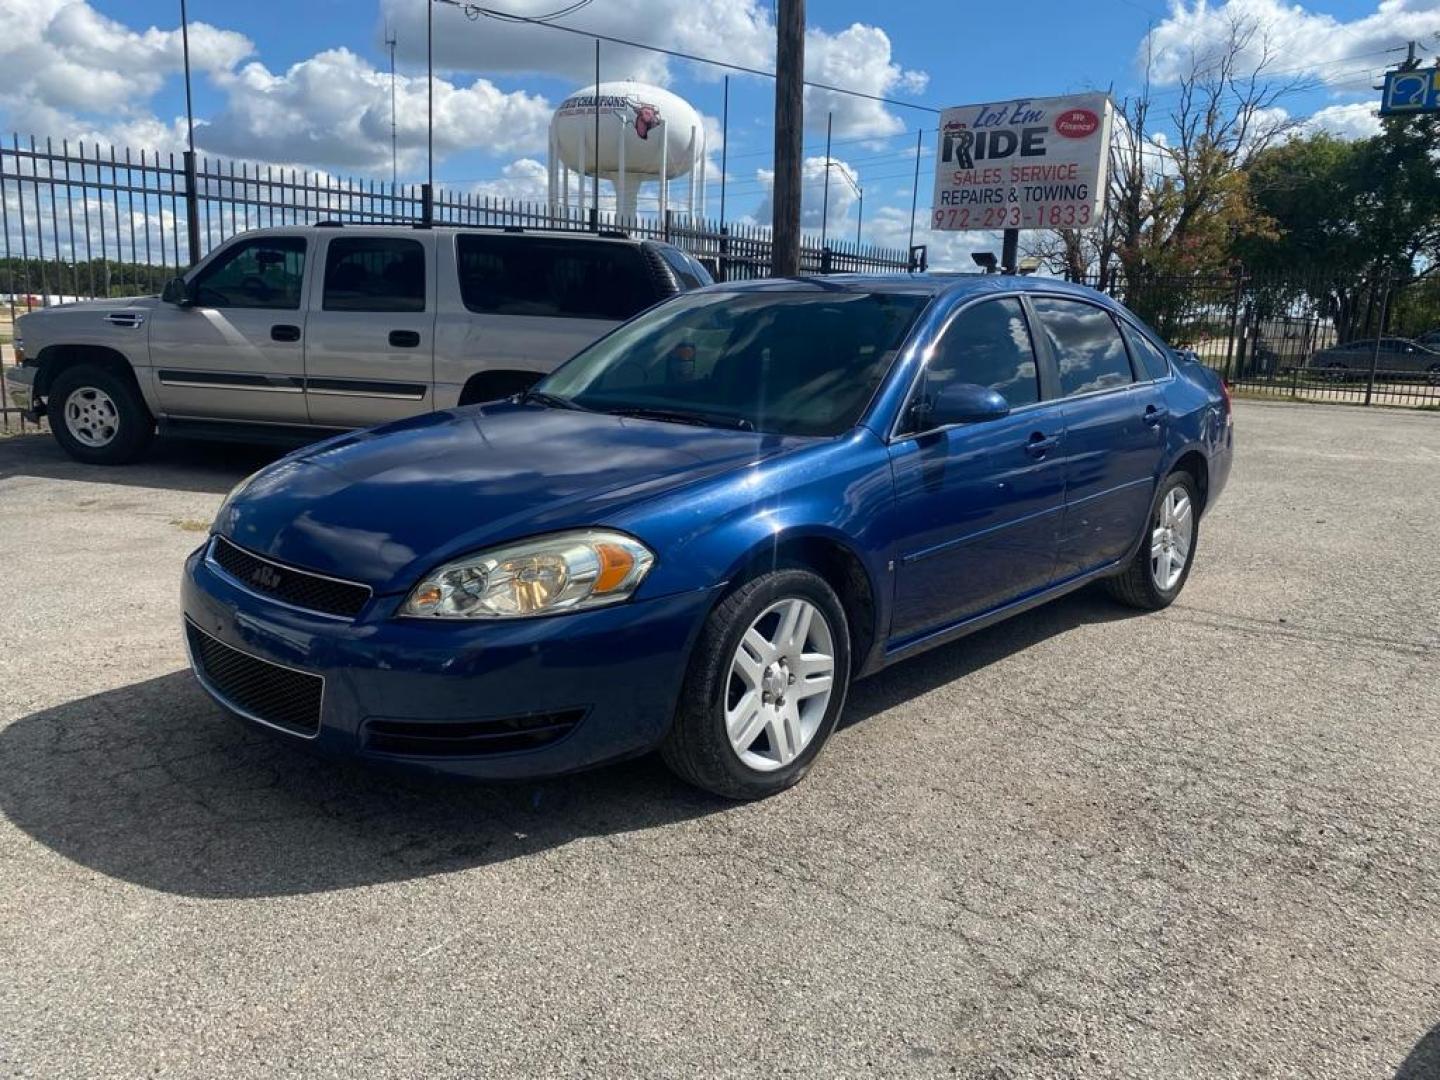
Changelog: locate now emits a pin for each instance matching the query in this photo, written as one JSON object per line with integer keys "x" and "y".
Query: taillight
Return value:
{"x": 1225, "y": 397}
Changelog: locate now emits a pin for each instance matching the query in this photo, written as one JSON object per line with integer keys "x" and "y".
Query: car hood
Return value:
{"x": 115, "y": 303}
{"x": 382, "y": 506}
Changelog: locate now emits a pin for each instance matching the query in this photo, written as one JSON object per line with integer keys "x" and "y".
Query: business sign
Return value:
{"x": 1410, "y": 92}
{"x": 1034, "y": 163}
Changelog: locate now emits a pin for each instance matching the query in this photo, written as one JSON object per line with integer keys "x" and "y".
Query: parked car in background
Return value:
{"x": 695, "y": 534}
{"x": 1398, "y": 358}
{"x": 1430, "y": 339}
{"x": 300, "y": 332}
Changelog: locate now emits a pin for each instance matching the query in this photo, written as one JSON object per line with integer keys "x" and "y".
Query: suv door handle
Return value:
{"x": 284, "y": 332}
{"x": 1041, "y": 444}
{"x": 1154, "y": 414}
{"x": 404, "y": 339}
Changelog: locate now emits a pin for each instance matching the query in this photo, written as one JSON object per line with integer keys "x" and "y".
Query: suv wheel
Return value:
{"x": 97, "y": 416}
{"x": 766, "y": 684}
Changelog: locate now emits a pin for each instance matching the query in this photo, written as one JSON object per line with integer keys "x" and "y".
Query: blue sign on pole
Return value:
{"x": 1409, "y": 92}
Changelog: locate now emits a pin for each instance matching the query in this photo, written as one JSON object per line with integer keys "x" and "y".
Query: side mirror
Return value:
{"x": 959, "y": 403}
{"x": 176, "y": 291}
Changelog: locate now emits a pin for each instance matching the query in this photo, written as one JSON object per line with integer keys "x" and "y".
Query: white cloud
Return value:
{"x": 60, "y": 56}
{"x": 1304, "y": 43}
{"x": 1357, "y": 120}
{"x": 813, "y": 200}
{"x": 524, "y": 180}
{"x": 735, "y": 31}
{"x": 334, "y": 108}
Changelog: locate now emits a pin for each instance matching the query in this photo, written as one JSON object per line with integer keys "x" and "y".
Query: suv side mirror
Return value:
{"x": 958, "y": 403}
{"x": 177, "y": 291}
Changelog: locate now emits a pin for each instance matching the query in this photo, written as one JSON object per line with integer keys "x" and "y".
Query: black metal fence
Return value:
{"x": 1307, "y": 336}
{"x": 80, "y": 221}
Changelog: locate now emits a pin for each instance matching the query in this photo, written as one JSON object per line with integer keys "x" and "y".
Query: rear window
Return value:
{"x": 692, "y": 275}
{"x": 1147, "y": 354}
{"x": 552, "y": 278}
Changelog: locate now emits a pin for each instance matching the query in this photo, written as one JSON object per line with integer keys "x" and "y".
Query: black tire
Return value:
{"x": 134, "y": 425}
{"x": 1135, "y": 586}
{"x": 697, "y": 748}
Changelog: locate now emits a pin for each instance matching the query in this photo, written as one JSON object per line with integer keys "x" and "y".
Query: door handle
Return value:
{"x": 1154, "y": 414}
{"x": 284, "y": 332}
{"x": 1041, "y": 444}
{"x": 404, "y": 339}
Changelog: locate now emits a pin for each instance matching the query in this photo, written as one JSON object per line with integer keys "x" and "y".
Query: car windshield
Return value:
{"x": 794, "y": 363}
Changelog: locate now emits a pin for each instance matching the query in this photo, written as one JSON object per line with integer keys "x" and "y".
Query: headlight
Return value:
{"x": 549, "y": 574}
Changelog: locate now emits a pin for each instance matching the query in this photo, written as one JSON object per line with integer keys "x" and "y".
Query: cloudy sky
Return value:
{"x": 306, "y": 82}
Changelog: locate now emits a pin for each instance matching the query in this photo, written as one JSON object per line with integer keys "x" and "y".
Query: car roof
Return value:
{"x": 341, "y": 228}
{"x": 951, "y": 285}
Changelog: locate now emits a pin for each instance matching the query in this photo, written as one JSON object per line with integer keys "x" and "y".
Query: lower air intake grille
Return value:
{"x": 469, "y": 738}
{"x": 280, "y": 696}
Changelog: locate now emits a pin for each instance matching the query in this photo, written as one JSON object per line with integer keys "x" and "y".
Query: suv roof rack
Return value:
{"x": 614, "y": 234}
{"x": 329, "y": 223}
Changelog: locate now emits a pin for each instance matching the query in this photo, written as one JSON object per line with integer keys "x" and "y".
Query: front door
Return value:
{"x": 236, "y": 353}
{"x": 369, "y": 342}
{"x": 978, "y": 506}
{"x": 1115, "y": 427}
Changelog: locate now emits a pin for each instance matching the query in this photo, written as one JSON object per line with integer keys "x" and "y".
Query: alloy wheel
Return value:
{"x": 781, "y": 680}
{"x": 1171, "y": 538}
{"x": 91, "y": 417}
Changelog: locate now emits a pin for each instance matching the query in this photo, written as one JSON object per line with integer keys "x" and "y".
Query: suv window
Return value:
{"x": 265, "y": 272}
{"x": 1146, "y": 353}
{"x": 576, "y": 279}
{"x": 374, "y": 273}
{"x": 988, "y": 344}
{"x": 1087, "y": 345}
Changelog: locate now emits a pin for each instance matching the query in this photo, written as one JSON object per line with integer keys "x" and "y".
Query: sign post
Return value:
{"x": 1031, "y": 163}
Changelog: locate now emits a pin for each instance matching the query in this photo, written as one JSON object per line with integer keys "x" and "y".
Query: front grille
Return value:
{"x": 469, "y": 738}
{"x": 299, "y": 588}
{"x": 273, "y": 694}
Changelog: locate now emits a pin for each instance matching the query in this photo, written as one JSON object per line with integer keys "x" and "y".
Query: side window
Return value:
{"x": 988, "y": 344}
{"x": 1087, "y": 345}
{"x": 266, "y": 272}
{"x": 1146, "y": 353}
{"x": 540, "y": 276}
{"x": 374, "y": 273}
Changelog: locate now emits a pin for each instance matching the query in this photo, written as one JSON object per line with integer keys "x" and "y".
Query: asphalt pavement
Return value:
{"x": 1086, "y": 843}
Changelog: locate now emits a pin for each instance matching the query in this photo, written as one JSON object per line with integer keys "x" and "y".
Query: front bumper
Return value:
{"x": 20, "y": 390}
{"x": 619, "y": 669}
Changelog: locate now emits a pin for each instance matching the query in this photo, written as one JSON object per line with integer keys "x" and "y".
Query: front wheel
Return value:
{"x": 766, "y": 684}
{"x": 97, "y": 416}
{"x": 1161, "y": 566}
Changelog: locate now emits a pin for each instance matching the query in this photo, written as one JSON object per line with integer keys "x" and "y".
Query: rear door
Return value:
{"x": 978, "y": 507}
{"x": 1115, "y": 425}
{"x": 237, "y": 353}
{"x": 525, "y": 303}
{"x": 369, "y": 346}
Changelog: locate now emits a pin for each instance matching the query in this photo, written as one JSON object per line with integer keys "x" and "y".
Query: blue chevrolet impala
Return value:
{"x": 696, "y": 533}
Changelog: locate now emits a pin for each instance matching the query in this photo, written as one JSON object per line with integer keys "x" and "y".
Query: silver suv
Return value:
{"x": 296, "y": 332}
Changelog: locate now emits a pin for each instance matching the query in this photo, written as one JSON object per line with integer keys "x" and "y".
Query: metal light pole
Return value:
{"x": 394, "y": 139}
{"x": 192, "y": 180}
{"x": 825, "y": 200}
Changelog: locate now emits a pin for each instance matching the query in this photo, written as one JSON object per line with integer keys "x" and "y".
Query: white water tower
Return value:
{"x": 646, "y": 134}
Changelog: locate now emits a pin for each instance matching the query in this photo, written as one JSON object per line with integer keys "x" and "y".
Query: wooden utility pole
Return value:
{"x": 789, "y": 132}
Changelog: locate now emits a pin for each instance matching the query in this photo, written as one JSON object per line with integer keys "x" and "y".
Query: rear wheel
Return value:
{"x": 766, "y": 684}
{"x": 97, "y": 416}
{"x": 1161, "y": 566}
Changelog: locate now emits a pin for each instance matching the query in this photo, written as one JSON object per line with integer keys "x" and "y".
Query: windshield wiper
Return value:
{"x": 680, "y": 416}
{"x": 550, "y": 401}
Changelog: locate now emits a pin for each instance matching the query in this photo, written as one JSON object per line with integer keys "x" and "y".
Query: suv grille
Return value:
{"x": 469, "y": 738}
{"x": 299, "y": 588}
{"x": 280, "y": 696}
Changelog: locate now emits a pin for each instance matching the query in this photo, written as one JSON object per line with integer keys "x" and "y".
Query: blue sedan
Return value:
{"x": 695, "y": 534}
